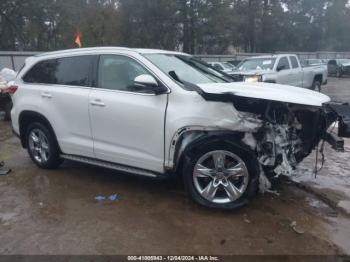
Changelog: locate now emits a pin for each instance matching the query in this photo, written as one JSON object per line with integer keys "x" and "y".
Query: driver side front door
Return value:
{"x": 127, "y": 125}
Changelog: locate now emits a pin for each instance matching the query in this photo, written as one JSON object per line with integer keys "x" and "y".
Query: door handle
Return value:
{"x": 46, "y": 95}
{"x": 97, "y": 102}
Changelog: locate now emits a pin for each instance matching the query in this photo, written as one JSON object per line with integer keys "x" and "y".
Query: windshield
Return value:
{"x": 226, "y": 65}
{"x": 315, "y": 61}
{"x": 341, "y": 61}
{"x": 257, "y": 64}
{"x": 186, "y": 68}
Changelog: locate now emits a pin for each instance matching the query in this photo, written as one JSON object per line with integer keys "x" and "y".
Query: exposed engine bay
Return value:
{"x": 288, "y": 134}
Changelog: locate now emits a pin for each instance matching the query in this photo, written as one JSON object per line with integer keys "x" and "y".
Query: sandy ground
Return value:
{"x": 55, "y": 212}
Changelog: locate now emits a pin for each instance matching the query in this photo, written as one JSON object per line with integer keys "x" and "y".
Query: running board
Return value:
{"x": 100, "y": 163}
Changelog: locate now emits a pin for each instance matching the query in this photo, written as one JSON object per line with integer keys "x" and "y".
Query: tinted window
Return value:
{"x": 332, "y": 62}
{"x": 73, "y": 71}
{"x": 119, "y": 72}
{"x": 294, "y": 62}
{"x": 218, "y": 67}
{"x": 283, "y": 63}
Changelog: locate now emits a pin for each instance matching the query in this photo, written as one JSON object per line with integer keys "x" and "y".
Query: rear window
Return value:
{"x": 73, "y": 71}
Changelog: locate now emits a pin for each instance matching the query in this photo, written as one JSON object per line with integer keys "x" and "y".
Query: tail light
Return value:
{"x": 11, "y": 89}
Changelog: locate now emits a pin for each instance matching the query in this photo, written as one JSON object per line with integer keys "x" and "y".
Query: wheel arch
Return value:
{"x": 199, "y": 139}
{"x": 319, "y": 77}
{"x": 26, "y": 118}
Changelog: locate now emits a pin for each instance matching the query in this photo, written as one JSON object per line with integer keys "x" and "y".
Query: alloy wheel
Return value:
{"x": 39, "y": 146}
{"x": 220, "y": 177}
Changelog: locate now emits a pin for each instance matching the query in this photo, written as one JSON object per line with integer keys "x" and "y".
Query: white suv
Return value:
{"x": 156, "y": 113}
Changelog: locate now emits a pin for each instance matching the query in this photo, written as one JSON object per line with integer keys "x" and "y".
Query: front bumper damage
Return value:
{"x": 287, "y": 132}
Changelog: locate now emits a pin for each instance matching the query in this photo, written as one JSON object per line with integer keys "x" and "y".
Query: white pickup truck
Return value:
{"x": 281, "y": 69}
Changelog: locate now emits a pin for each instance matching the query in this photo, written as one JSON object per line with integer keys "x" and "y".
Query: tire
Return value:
{"x": 246, "y": 182}
{"x": 42, "y": 146}
{"x": 317, "y": 86}
{"x": 338, "y": 73}
{"x": 8, "y": 108}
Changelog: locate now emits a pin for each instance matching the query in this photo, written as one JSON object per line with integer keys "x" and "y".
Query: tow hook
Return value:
{"x": 335, "y": 141}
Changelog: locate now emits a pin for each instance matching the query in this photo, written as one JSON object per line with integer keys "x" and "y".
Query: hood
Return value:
{"x": 252, "y": 72}
{"x": 273, "y": 92}
{"x": 345, "y": 64}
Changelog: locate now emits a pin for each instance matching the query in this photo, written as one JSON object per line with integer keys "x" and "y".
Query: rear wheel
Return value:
{"x": 220, "y": 177}
{"x": 8, "y": 108}
{"x": 42, "y": 146}
{"x": 338, "y": 73}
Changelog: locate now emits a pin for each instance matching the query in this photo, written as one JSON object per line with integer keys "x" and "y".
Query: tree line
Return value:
{"x": 193, "y": 26}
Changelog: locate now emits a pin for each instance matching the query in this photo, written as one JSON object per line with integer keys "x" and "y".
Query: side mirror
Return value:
{"x": 280, "y": 68}
{"x": 148, "y": 83}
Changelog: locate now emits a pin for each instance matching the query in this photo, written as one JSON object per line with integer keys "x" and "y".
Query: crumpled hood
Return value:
{"x": 274, "y": 92}
{"x": 346, "y": 64}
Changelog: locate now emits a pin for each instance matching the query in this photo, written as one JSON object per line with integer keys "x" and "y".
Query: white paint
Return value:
{"x": 274, "y": 92}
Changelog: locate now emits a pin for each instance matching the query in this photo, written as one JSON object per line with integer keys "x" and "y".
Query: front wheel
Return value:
{"x": 317, "y": 86}
{"x": 220, "y": 177}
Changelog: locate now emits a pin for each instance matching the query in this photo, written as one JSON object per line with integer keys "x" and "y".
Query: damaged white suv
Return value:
{"x": 156, "y": 113}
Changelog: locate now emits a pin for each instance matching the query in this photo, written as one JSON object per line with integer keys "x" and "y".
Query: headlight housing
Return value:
{"x": 253, "y": 79}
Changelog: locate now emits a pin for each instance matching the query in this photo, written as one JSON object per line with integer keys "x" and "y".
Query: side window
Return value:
{"x": 218, "y": 67}
{"x": 118, "y": 73}
{"x": 294, "y": 62}
{"x": 72, "y": 71}
{"x": 332, "y": 62}
{"x": 42, "y": 73}
{"x": 283, "y": 64}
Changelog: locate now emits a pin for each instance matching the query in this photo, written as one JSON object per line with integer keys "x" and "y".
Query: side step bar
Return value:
{"x": 100, "y": 163}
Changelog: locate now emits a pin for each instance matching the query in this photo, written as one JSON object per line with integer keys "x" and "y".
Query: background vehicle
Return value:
{"x": 235, "y": 63}
{"x": 223, "y": 67}
{"x": 339, "y": 67}
{"x": 312, "y": 62}
{"x": 282, "y": 69}
{"x": 156, "y": 113}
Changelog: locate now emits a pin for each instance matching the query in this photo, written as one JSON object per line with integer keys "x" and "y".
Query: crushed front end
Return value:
{"x": 290, "y": 132}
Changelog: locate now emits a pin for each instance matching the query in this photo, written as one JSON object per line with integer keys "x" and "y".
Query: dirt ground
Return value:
{"x": 55, "y": 212}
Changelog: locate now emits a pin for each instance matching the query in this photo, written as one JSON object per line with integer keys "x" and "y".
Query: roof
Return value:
{"x": 109, "y": 48}
{"x": 270, "y": 56}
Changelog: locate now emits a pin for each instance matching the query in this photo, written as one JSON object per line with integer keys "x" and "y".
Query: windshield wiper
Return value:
{"x": 204, "y": 68}
{"x": 175, "y": 76}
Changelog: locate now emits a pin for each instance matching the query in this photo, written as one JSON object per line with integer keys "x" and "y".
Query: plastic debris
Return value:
{"x": 297, "y": 230}
{"x": 113, "y": 197}
{"x": 4, "y": 172}
{"x": 245, "y": 219}
{"x": 100, "y": 198}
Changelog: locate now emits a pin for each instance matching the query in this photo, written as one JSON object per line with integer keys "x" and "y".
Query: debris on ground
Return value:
{"x": 113, "y": 197}
{"x": 100, "y": 198}
{"x": 4, "y": 172}
{"x": 297, "y": 230}
{"x": 245, "y": 219}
